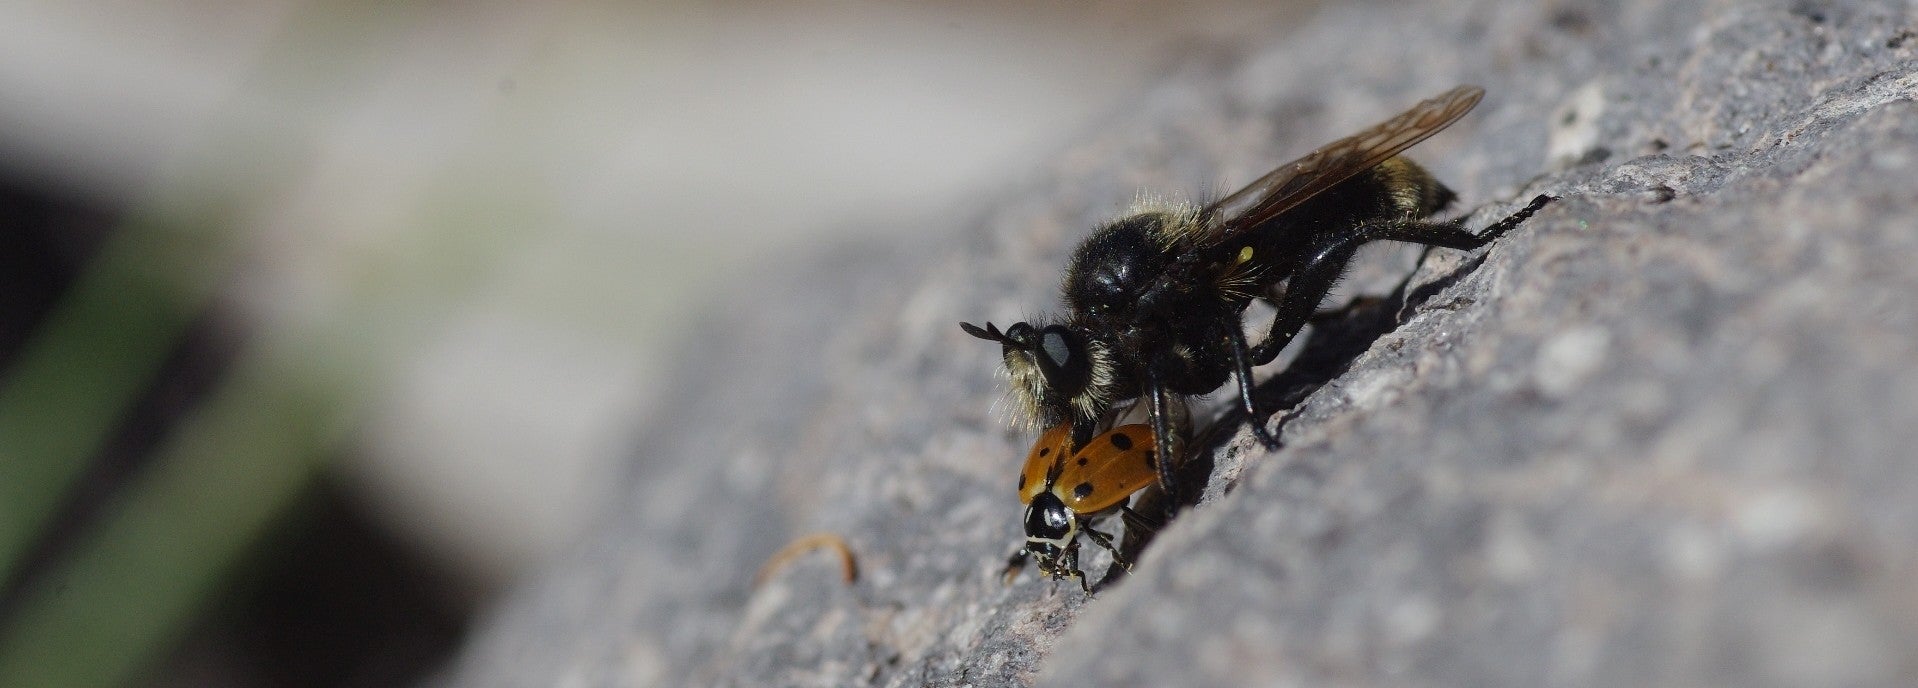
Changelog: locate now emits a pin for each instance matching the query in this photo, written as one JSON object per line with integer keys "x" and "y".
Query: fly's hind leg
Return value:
{"x": 1307, "y": 288}
{"x": 1453, "y": 234}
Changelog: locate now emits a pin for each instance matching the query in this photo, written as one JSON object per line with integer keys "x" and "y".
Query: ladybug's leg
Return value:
{"x": 1072, "y": 568}
{"x": 1015, "y": 564}
{"x": 1137, "y": 521}
{"x": 1104, "y": 540}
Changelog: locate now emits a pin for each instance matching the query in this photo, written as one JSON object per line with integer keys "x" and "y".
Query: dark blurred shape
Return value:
{"x": 43, "y": 243}
{"x": 328, "y": 601}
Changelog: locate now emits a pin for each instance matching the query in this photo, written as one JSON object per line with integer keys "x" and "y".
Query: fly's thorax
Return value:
{"x": 1122, "y": 259}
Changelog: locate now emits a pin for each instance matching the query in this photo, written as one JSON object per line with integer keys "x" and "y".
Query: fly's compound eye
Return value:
{"x": 1061, "y": 354}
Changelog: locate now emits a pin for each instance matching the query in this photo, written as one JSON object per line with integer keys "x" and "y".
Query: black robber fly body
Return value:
{"x": 1155, "y": 301}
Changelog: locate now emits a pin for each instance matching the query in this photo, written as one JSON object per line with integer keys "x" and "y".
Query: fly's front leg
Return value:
{"x": 1083, "y": 430}
{"x": 1162, "y": 441}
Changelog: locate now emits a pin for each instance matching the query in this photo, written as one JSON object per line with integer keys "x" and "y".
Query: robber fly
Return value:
{"x": 1155, "y": 300}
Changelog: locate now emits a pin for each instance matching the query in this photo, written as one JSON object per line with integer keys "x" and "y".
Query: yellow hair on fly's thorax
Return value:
{"x": 1241, "y": 278}
{"x": 1179, "y": 218}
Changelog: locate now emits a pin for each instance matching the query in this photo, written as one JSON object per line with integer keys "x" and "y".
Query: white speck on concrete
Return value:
{"x": 1774, "y": 517}
{"x": 1568, "y": 359}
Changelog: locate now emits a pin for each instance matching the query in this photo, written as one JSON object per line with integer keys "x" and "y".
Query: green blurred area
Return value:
{"x": 118, "y": 596}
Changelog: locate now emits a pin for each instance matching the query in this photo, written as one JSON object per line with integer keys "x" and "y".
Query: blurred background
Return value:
{"x": 322, "y": 321}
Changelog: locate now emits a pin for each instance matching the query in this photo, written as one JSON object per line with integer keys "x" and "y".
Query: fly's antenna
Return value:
{"x": 991, "y": 333}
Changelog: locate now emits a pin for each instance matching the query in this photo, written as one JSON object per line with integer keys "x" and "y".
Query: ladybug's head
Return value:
{"x": 1050, "y": 531}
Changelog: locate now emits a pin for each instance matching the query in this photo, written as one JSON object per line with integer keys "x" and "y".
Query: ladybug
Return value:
{"x": 1065, "y": 491}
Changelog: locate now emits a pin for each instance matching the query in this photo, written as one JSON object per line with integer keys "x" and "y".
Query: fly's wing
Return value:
{"x": 1108, "y": 469}
{"x": 1045, "y": 456}
{"x": 1298, "y": 181}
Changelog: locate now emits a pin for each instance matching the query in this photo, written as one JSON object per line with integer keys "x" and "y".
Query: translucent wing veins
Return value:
{"x": 1293, "y": 183}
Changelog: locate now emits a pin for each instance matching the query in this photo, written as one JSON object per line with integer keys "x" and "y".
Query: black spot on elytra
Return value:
{"x": 1082, "y": 491}
{"x": 1043, "y": 451}
{"x": 1122, "y": 441}
{"x": 1082, "y": 461}
{"x": 1022, "y": 482}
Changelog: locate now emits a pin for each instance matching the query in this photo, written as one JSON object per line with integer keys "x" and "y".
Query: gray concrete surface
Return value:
{"x": 1658, "y": 436}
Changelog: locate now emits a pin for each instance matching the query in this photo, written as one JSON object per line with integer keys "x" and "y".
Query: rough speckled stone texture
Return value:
{"x": 1661, "y": 435}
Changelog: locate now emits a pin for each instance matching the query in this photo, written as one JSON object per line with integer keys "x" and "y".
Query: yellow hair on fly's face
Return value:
{"x": 1097, "y": 396}
{"x": 1025, "y": 392}
{"x": 1034, "y": 406}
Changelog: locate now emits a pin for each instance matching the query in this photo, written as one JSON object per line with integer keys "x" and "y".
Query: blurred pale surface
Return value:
{"x": 508, "y": 208}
